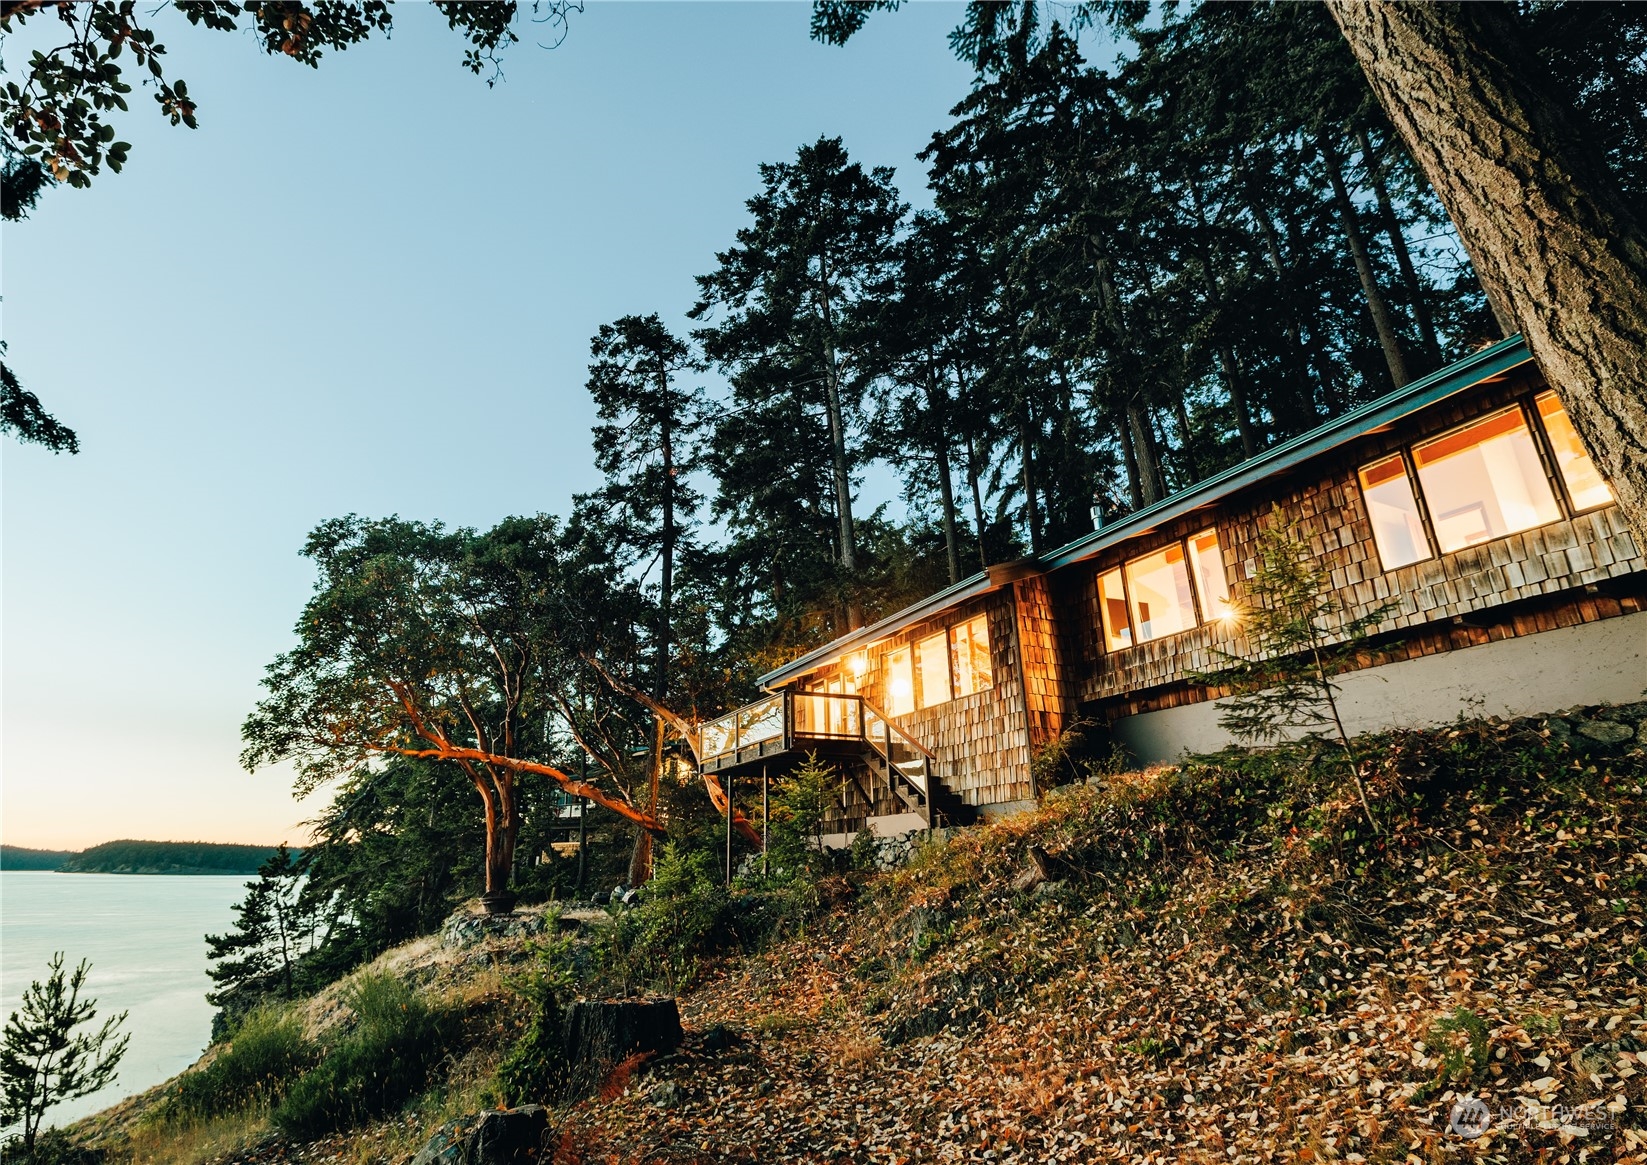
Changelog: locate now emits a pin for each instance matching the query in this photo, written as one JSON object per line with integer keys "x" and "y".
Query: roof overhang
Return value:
{"x": 1427, "y": 390}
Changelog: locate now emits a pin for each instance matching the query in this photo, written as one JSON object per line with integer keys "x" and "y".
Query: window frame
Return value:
{"x": 1521, "y": 405}
{"x": 1431, "y": 543}
{"x": 1197, "y": 602}
{"x": 1552, "y": 465}
{"x": 949, "y": 654}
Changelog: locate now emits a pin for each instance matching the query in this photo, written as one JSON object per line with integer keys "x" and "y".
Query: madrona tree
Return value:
{"x": 444, "y": 645}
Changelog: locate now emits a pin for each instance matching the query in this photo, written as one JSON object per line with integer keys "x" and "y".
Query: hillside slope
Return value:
{"x": 1215, "y": 961}
{"x": 1225, "y": 966}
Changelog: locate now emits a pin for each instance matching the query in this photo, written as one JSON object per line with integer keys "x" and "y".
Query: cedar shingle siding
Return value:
{"x": 1046, "y": 636}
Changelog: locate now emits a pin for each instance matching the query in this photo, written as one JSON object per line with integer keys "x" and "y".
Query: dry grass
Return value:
{"x": 153, "y": 1142}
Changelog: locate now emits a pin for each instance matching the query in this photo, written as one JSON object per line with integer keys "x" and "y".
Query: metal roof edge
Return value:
{"x": 1426, "y": 390}
{"x": 967, "y": 588}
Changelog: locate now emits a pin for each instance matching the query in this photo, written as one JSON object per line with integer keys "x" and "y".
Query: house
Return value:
{"x": 1464, "y": 500}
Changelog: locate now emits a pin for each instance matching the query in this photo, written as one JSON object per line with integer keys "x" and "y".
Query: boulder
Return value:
{"x": 466, "y": 930}
{"x": 1605, "y": 731}
{"x": 512, "y": 1136}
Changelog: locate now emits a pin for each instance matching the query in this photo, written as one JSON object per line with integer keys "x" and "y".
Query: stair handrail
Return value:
{"x": 904, "y": 736}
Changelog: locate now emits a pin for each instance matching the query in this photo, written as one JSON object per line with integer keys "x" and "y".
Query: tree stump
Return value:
{"x": 598, "y": 1035}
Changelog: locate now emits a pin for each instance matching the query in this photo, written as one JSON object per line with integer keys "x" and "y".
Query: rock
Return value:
{"x": 512, "y": 1136}
{"x": 1605, "y": 731}
{"x": 1558, "y": 728}
{"x": 1641, "y": 732}
{"x": 666, "y": 1095}
{"x": 1049, "y": 889}
{"x": 466, "y": 930}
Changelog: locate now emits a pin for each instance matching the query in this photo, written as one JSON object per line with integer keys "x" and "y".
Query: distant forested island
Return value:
{"x": 21, "y": 857}
{"x": 141, "y": 857}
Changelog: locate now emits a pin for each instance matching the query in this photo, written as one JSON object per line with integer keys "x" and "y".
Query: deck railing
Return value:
{"x": 789, "y": 719}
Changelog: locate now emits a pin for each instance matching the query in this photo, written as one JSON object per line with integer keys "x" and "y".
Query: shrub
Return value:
{"x": 382, "y": 1060}
{"x": 685, "y": 914}
{"x": 531, "y": 1070}
{"x": 253, "y": 1070}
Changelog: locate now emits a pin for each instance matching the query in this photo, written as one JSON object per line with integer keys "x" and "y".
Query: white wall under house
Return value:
{"x": 1603, "y": 662}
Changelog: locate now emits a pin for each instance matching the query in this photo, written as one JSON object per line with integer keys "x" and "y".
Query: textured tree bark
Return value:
{"x": 1152, "y": 486}
{"x": 1553, "y": 240}
{"x": 1377, "y": 306}
{"x": 597, "y": 1036}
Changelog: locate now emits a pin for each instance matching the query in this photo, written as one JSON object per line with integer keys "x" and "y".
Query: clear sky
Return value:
{"x": 368, "y": 288}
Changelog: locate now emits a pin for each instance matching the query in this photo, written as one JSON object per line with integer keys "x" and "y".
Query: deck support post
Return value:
{"x": 729, "y": 779}
{"x": 766, "y": 816}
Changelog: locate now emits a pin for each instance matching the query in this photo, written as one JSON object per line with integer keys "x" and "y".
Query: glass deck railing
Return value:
{"x": 816, "y": 716}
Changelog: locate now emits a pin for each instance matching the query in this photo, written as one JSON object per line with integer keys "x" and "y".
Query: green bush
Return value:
{"x": 384, "y": 1058}
{"x": 253, "y": 1070}
{"x": 685, "y": 914}
{"x": 531, "y": 1070}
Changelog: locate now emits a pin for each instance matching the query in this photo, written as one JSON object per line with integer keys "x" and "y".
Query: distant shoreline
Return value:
{"x": 141, "y": 859}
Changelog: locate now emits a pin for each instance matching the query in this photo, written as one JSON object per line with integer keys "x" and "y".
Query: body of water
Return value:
{"x": 144, "y": 938}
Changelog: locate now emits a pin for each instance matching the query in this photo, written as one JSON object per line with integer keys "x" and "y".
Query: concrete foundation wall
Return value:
{"x": 1594, "y": 663}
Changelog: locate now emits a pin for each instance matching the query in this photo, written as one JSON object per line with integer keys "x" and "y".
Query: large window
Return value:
{"x": 938, "y": 668}
{"x": 1584, "y": 483}
{"x": 900, "y": 682}
{"x": 1484, "y": 481}
{"x": 1158, "y": 588}
{"x": 932, "y": 670}
{"x": 1398, "y": 531}
{"x": 969, "y": 651}
{"x": 1207, "y": 563}
{"x": 1157, "y": 594}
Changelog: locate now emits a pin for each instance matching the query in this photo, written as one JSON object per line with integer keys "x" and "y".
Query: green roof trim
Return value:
{"x": 1425, "y": 391}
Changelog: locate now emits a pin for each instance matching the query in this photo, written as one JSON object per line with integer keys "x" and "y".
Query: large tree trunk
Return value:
{"x": 837, "y": 439}
{"x": 1153, "y": 486}
{"x": 1552, "y": 239}
{"x": 937, "y": 401}
{"x": 1377, "y": 307}
{"x": 1026, "y": 474}
{"x": 977, "y": 499}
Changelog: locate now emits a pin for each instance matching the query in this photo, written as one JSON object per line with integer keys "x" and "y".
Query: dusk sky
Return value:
{"x": 368, "y": 288}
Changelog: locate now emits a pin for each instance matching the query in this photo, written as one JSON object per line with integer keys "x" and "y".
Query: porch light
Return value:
{"x": 857, "y": 663}
{"x": 1228, "y": 612}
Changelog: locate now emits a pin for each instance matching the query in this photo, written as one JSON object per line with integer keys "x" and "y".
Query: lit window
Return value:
{"x": 1398, "y": 531}
{"x": 1584, "y": 482}
{"x": 900, "y": 683}
{"x": 1207, "y": 562}
{"x": 932, "y": 670}
{"x": 1112, "y": 605}
{"x": 1159, "y": 587}
{"x": 969, "y": 649}
{"x": 1484, "y": 481}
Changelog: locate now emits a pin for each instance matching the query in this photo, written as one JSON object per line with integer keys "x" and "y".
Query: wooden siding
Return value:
{"x": 1324, "y": 497}
{"x": 1040, "y": 655}
{"x": 982, "y": 741}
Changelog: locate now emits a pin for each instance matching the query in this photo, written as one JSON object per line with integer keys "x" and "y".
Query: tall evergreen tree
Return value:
{"x": 783, "y": 298}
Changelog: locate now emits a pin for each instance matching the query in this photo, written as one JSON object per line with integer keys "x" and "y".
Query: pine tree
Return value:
{"x": 786, "y": 294}
{"x": 43, "y": 1061}
{"x": 1301, "y": 636}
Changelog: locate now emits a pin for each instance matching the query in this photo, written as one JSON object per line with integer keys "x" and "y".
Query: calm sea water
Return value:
{"x": 143, "y": 936}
